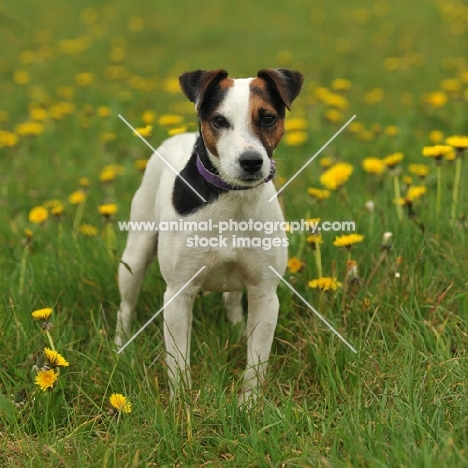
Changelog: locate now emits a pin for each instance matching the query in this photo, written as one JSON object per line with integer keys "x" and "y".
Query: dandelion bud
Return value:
{"x": 387, "y": 240}
{"x": 352, "y": 271}
{"x": 370, "y": 206}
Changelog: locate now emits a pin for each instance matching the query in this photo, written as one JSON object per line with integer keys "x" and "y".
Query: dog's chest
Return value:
{"x": 227, "y": 270}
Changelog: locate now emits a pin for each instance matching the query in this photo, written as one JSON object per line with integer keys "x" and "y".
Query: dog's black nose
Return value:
{"x": 251, "y": 161}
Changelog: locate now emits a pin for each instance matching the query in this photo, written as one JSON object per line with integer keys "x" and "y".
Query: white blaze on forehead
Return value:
{"x": 235, "y": 106}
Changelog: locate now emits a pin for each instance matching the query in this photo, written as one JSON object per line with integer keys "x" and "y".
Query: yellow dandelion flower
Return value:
{"x": 295, "y": 138}
{"x": 83, "y": 182}
{"x": 420, "y": 170}
{"x": 177, "y": 130}
{"x": 42, "y": 314}
{"x": 295, "y": 123}
{"x": 29, "y": 128}
{"x": 66, "y": 92}
{"x": 356, "y": 127}
{"x": 61, "y": 109}
{"x": 39, "y": 114}
{"x": 103, "y": 111}
{"x": 117, "y": 54}
{"x": 391, "y": 130}
{"x": 148, "y": 117}
{"x": 436, "y": 151}
{"x": 373, "y": 96}
{"x": 451, "y": 155}
{"x": 336, "y": 176}
{"x": 171, "y": 85}
{"x": 55, "y": 359}
{"x": 392, "y": 160}
{"x": 415, "y": 192}
{"x": 314, "y": 239}
{"x": 333, "y": 115}
{"x": 336, "y": 100}
{"x": 407, "y": 180}
{"x": 436, "y": 136}
{"x": 46, "y": 379}
{"x": 117, "y": 168}
{"x": 325, "y": 284}
{"x": 373, "y": 165}
{"x": 108, "y": 174}
{"x": 107, "y": 137}
{"x": 135, "y": 23}
{"x": 366, "y": 135}
{"x": 120, "y": 403}
{"x": 318, "y": 194}
{"x": 451, "y": 85}
{"x": 84, "y": 79}
{"x": 52, "y": 203}
{"x": 107, "y": 209}
{"x": 295, "y": 265}
{"x": 170, "y": 119}
{"x": 77, "y": 197}
{"x": 140, "y": 164}
{"x": 8, "y": 139}
{"x": 321, "y": 93}
{"x": 326, "y": 162}
{"x": 38, "y": 215}
{"x": 435, "y": 99}
{"x": 88, "y": 230}
{"x": 457, "y": 141}
{"x": 401, "y": 201}
{"x": 313, "y": 221}
{"x": 57, "y": 210}
{"x": 347, "y": 240}
{"x": 341, "y": 84}
{"x": 21, "y": 77}
{"x": 145, "y": 132}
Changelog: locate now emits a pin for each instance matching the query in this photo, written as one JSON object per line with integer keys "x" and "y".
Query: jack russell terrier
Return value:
{"x": 229, "y": 164}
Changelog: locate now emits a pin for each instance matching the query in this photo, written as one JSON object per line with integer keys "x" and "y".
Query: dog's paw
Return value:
{"x": 248, "y": 399}
{"x": 118, "y": 341}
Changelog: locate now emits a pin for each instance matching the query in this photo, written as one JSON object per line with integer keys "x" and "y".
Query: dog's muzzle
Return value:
{"x": 252, "y": 165}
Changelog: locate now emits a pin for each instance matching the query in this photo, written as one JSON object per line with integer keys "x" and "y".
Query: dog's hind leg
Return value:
{"x": 139, "y": 252}
{"x": 233, "y": 306}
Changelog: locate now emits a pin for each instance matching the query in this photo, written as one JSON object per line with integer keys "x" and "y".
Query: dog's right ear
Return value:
{"x": 195, "y": 84}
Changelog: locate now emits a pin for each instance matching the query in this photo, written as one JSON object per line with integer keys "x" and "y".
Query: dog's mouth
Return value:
{"x": 251, "y": 178}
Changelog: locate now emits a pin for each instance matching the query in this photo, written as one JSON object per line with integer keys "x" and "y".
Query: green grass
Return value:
{"x": 401, "y": 401}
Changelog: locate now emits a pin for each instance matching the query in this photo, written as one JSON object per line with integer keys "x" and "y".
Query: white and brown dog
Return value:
{"x": 229, "y": 163}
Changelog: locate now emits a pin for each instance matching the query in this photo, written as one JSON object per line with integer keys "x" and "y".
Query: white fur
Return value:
{"x": 230, "y": 270}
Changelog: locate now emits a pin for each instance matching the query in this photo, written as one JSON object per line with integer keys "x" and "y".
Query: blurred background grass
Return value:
{"x": 73, "y": 67}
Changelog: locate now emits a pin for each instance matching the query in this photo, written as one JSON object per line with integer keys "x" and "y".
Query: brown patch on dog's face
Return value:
{"x": 207, "y": 113}
{"x": 267, "y": 115}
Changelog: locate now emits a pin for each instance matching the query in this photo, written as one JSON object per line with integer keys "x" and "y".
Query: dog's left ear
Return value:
{"x": 196, "y": 84}
{"x": 287, "y": 83}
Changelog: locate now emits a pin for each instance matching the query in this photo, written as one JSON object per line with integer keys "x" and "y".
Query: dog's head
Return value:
{"x": 242, "y": 120}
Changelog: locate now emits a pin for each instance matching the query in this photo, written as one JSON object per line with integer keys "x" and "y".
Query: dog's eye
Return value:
{"x": 220, "y": 122}
{"x": 268, "y": 121}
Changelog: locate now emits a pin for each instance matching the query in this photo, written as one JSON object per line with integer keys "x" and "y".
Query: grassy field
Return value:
{"x": 67, "y": 69}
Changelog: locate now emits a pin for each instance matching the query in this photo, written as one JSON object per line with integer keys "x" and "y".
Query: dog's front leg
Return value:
{"x": 261, "y": 324}
{"x": 177, "y": 332}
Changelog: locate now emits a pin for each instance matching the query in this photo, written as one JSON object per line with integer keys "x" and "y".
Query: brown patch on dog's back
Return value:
{"x": 212, "y": 101}
{"x": 262, "y": 103}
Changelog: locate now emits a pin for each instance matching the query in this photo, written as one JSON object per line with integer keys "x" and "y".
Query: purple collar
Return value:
{"x": 215, "y": 180}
